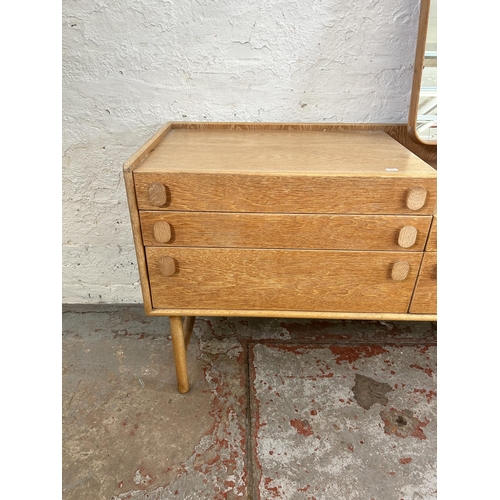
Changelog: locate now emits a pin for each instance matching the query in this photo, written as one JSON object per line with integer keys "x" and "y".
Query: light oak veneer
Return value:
{"x": 286, "y": 194}
{"x": 432, "y": 241}
{"x": 254, "y": 230}
{"x": 283, "y": 220}
{"x": 408, "y": 236}
{"x": 425, "y": 296}
{"x": 160, "y": 230}
{"x": 283, "y": 279}
{"x": 157, "y": 194}
{"x": 283, "y": 152}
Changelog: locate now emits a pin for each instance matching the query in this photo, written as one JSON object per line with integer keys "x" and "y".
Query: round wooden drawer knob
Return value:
{"x": 407, "y": 236}
{"x": 416, "y": 198}
{"x": 157, "y": 194}
{"x": 162, "y": 232}
{"x": 167, "y": 266}
{"x": 400, "y": 270}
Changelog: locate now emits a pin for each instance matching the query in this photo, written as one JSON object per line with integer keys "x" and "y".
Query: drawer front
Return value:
{"x": 238, "y": 230}
{"x": 432, "y": 242}
{"x": 294, "y": 280}
{"x": 284, "y": 194}
{"x": 425, "y": 298}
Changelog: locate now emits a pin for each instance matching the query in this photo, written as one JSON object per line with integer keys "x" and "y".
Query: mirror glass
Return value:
{"x": 426, "y": 128}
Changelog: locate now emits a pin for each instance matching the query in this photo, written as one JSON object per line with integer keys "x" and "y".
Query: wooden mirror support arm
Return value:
{"x": 417, "y": 74}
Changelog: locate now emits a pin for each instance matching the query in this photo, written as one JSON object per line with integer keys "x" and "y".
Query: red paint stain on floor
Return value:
{"x": 274, "y": 491}
{"x": 428, "y": 394}
{"x": 353, "y": 353}
{"x": 418, "y": 431}
{"x": 405, "y": 460}
{"x": 431, "y": 394}
{"x": 427, "y": 371}
{"x": 303, "y": 427}
{"x": 403, "y": 424}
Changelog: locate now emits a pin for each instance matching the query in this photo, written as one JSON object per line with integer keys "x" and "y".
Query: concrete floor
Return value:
{"x": 289, "y": 409}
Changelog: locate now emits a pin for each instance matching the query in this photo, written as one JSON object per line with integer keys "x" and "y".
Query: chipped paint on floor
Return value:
{"x": 124, "y": 439}
{"x": 314, "y": 440}
{"x": 271, "y": 412}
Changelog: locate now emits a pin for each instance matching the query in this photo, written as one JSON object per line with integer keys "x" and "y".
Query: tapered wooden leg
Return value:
{"x": 179, "y": 346}
{"x": 188, "y": 329}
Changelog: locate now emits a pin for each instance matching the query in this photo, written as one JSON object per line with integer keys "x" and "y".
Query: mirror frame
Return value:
{"x": 417, "y": 73}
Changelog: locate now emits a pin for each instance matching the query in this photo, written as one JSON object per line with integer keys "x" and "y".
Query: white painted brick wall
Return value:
{"x": 129, "y": 66}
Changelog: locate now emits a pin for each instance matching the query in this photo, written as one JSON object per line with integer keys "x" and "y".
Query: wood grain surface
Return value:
{"x": 400, "y": 270}
{"x": 138, "y": 243}
{"x": 408, "y": 236}
{"x": 179, "y": 348}
{"x": 425, "y": 297}
{"x": 399, "y": 132}
{"x": 417, "y": 74}
{"x": 285, "y": 194}
{"x": 319, "y": 280}
{"x": 302, "y": 152}
{"x": 269, "y": 196}
{"x": 244, "y": 230}
{"x": 432, "y": 241}
{"x": 138, "y": 156}
{"x": 416, "y": 197}
{"x": 160, "y": 231}
{"x": 167, "y": 266}
{"x": 266, "y": 313}
{"x": 157, "y": 194}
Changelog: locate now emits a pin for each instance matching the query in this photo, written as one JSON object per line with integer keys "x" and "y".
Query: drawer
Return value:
{"x": 425, "y": 298}
{"x": 432, "y": 241}
{"x": 293, "y": 280}
{"x": 246, "y": 230}
{"x": 201, "y": 192}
